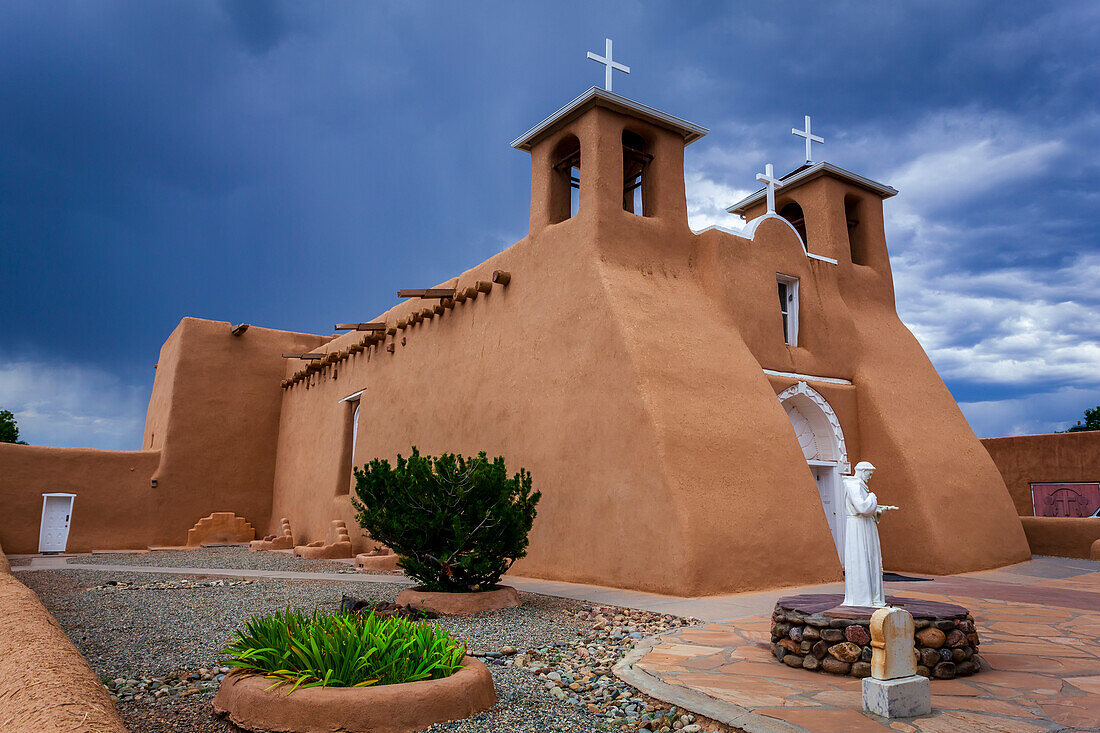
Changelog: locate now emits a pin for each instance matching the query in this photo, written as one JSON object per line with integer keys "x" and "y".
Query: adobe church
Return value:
{"x": 687, "y": 427}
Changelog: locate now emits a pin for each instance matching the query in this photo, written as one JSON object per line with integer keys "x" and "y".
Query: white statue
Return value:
{"x": 862, "y": 555}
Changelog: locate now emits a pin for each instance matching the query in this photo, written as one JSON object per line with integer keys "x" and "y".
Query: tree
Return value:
{"x": 1092, "y": 421}
{"x": 9, "y": 430}
{"x": 457, "y": 524}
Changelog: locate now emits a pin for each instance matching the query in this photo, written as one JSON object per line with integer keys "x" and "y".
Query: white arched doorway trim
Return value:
{"x": 821, "y": 438}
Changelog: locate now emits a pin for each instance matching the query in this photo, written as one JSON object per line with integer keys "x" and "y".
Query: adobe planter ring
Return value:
{"x": 451, "y": 604}
{"x": 401, "y": 708}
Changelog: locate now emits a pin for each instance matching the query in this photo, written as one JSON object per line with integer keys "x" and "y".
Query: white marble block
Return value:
{"x": 904, "y": 697}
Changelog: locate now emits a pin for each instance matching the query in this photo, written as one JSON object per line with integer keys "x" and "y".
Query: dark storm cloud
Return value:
{"x": 293, "y": 164}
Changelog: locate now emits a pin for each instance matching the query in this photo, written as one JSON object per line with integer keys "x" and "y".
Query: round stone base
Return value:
{"x": 814, "y": 632}
{"x": 452, "y": 604}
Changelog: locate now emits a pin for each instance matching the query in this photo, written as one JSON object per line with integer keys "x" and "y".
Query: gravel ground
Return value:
{"x": 19, "y": 561}
{"x": 162, "y": 633}
{"x": 218, "y": 557}
{"x": 155, "y": 641}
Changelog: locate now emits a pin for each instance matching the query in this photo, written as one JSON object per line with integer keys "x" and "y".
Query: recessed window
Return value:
{"x": 349, "y": 439}
{"x": 788, "y": 307}
{"x": 354, "y": 428}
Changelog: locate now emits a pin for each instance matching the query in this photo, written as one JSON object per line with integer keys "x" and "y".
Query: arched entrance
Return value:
{"x": 818, "y": 431}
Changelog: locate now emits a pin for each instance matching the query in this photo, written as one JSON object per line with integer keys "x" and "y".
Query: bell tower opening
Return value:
{"x": 636, "y": 160}
{"x": 857, "y": 233}
{"x": 793, "y": 213}
{"x": 565, "y": 188}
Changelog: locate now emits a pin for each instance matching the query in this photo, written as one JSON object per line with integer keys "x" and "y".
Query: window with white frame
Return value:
{"x": 350, "y": 437}
{"x": 788, "y": 307}
{"x": 354, "y": 427}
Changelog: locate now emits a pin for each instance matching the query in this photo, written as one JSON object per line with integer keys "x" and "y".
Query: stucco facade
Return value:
{"x": 635, "y": 367}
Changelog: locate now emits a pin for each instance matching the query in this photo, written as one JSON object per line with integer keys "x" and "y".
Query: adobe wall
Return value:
{"x": 909, "y": 426}
{"x": 212, "y": 425}
{"x": 46, "y": 686}
{"x": 622, "y": 366}
{"x": 1062, "y": 536}
{"x": 113, "y": 504}
{"x": 214, "y": 411}
{"x": 1054, "y": 458}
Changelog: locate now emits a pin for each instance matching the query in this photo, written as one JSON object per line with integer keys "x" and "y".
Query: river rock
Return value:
{"x": 956, "y": 638}
{"x": 929, "y": 657}
{"x": 835, "y": 666}
{"x": 861, "y": 669}
{"x": 931, "y": 637}
{"x": 846, "y": 651}
{"x": 791, "y": 646}
{"x": 832, "y": 635}
{"x": 944, "y": 671}
{"x": 811, "y": 663}
{"x": 793, "y": 660}
{"x": 857, "y": 635}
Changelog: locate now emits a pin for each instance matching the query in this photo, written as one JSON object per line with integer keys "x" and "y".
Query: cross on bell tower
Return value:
{"x": 810, "y": 139}
{"x": 610, "y": 65}
{"x": 771, "y": 183}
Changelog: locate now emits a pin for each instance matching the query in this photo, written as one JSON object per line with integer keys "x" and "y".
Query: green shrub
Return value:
{"x": 343, "y": 650}
{"x": 457, "y": 523}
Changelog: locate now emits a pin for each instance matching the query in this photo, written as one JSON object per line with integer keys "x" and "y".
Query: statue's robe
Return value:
{"x": 862, "y": 555}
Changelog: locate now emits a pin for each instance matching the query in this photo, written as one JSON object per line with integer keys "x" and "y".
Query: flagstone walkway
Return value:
{"x": 1040, "y": 628}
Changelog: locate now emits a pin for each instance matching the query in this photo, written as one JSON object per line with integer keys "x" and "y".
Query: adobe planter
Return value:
{"x": 366, "y": 563}
{"x": 452, "y": 604}
{"x": 404, "y": 708}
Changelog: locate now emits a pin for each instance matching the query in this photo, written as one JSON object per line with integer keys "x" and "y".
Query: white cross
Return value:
{"x": 810, "y": 139}
{"x": 609, "y": 64}
{"x": 771, "y": 183}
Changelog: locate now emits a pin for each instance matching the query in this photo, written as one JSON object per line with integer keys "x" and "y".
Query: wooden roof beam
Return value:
{"x": 426, "y": 293}
{"x": 374, "y": 326}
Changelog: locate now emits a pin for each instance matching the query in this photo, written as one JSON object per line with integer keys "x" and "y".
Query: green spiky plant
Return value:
{"x": 456, "y": 523}
{"x": 343, "y": 650}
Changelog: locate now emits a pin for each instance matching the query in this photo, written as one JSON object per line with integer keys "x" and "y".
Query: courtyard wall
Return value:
{"x": 210, "y": 439}
{"x": 46, "y": 686}
{"x": 1050, "y": 458}
{"x": 1056, "y": 458}
{"x": 114, "y": 506}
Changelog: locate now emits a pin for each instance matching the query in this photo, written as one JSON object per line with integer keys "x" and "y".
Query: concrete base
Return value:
{"x": 905, "y": 697}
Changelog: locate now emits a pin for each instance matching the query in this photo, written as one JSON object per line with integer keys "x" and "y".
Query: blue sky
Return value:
{"x": 293, "y": 164}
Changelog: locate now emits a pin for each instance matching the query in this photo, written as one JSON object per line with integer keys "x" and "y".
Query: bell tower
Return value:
{"x": 604, "y": 158}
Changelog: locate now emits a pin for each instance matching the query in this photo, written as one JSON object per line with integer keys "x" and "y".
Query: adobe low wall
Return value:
{"x": 112, "y": 493}
{"x": 1062, "y": 536}
{"x": 1055, "y": 458}
{"x": 46, "y": 686}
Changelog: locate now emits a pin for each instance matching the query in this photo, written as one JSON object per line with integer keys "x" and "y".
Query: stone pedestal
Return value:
{"x": 814, "y": 633}
{"x": 904, "y": 697}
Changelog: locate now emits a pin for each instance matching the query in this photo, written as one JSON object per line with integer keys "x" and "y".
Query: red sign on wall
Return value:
{"x": 1065, "y": 500}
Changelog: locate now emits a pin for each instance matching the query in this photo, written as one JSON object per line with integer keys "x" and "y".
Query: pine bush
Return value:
{"x": 456, "y": 523}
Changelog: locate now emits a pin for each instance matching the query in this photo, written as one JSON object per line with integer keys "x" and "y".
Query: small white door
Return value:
{"x": 827, "y": 483}
{"x": 57, "y": 510}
